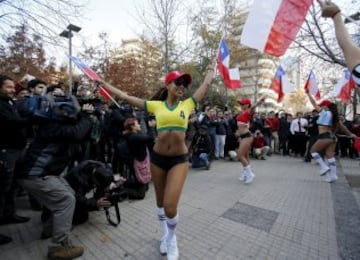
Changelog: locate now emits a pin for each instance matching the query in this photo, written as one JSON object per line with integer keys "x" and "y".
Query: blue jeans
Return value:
{"x": 199, "y": 161}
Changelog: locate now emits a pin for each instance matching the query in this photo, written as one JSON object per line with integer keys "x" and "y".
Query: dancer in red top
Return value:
{"x": 246, "y": 138}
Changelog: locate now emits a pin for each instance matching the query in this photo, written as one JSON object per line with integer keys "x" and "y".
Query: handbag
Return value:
{"x": 142, "y": 169}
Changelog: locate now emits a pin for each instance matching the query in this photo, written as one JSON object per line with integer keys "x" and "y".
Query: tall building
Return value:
{"x": 256, "y": 69}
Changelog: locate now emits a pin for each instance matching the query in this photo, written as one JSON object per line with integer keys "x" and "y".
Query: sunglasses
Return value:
{"x": 181, "y": 82}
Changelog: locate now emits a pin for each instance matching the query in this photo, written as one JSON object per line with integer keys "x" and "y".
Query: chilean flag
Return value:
{"x": 92, "y": 75}
{"x": 231, "y": 77}
{"x": 280, "y": 84}
{"x": 311, "y": 86}
{"x": 272, "y": 25}
{"x": 343, "y": 88}
{"x": 85, "y": 69}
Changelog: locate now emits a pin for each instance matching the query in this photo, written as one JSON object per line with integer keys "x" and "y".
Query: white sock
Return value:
{"x": 171, "y": 225}
{"x": 162, "y": 221}
{"x": 319, "y": 160}
{"x": 332, "y": 166}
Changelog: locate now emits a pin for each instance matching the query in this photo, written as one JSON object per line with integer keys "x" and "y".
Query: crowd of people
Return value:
{"x": 57, "y": 147}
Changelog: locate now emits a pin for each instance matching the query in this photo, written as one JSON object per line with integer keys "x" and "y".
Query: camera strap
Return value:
{"x": 118, "y": 218}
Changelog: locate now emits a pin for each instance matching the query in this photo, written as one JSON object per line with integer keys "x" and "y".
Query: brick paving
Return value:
{"x": 289, "y": 212}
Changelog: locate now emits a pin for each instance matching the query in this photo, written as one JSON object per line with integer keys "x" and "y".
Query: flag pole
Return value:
{"x": 108, "y": 94}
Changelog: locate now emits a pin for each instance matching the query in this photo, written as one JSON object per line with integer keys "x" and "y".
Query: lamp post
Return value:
{"x": 68, "y": 34}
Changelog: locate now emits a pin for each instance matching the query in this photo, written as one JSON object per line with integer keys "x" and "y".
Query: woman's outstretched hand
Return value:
{"x": 328, "y": 8}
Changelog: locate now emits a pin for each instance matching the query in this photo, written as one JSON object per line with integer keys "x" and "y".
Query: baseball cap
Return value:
{"x": 244, "y": 101}
{"x": 174, "y": 75}
{"x": 325, "y": 103}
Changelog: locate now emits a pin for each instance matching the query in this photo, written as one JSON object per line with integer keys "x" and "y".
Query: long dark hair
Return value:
{"x": 334, "y": 111}
{"x": 161, "y": 94}
{"x": 3, "y": 78}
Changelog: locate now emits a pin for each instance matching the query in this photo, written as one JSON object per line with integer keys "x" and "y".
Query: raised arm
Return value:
{"x": 313, "y": 102}
{"x": 349, "y": 48}
{"x": 132, "y": 100}
{"x": 201, "y": 91}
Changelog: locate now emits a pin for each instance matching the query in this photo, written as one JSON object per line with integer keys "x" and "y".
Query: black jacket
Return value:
{"x": 53, "y": 147}
{"x": 12, "y": 133}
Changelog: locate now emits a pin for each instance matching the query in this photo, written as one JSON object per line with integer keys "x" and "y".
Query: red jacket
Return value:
{"x": 259, "y": 141}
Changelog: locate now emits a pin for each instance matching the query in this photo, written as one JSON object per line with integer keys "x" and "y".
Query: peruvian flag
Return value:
{"x": 311, "y": 85}
{"x": 343, "y": 88}
{"x": 272, "y": 25}
{"x": 280, "y": 84}
{"x": 231, "y": 77}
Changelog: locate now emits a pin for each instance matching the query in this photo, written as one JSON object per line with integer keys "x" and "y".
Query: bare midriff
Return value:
{"x": 242, "y": 128}
{"x": 171, "y": 143}
{"x": 324, "y": 129}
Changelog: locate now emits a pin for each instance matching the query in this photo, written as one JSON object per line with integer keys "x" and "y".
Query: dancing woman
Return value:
{"x": 243, "y": 132}
{"x": 328, "y": 122}
{"x": 169, "y": 160}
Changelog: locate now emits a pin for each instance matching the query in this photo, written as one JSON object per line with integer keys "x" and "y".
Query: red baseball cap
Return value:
{"x": 174, "y": 75}
{"x": 325, "y": 103}
{"x": 244, "y": 101}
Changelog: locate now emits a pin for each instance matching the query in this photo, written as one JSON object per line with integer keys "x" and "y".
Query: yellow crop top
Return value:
{"x": 171, "y": 118}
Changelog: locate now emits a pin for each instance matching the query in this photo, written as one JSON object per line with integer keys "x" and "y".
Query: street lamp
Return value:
{"x": 68, "y": 34}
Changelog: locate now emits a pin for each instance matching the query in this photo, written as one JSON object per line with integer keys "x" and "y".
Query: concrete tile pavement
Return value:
{"x": 289, "y": 212}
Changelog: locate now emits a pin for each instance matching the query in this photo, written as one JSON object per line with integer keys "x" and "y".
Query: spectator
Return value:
{"x": 12, "y": 142}
{"x": 260, "y": 147}
{"x": 201, "y": 149}
{"x": 40, "y": 169}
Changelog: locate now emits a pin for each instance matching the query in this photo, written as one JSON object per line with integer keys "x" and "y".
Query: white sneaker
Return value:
{"x": 242, "y": 176}
{"x": 163, "y": 246}
{"x": 331, "y": 177}
{"x": 249, "y": 178}
{"x": 324, "y": 171}
{"x": 172, "y": 249}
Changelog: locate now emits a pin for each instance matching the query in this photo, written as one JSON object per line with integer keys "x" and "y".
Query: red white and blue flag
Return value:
{"x": 92, "y": 75}
{"x": 280, "y": 84}
{"x": 311, "y": 86}
{"x": 272, "y": 25}
{"x": 231, "y": 77}
{"x": 344, "y": 86}
{"x": 85, "y": 68}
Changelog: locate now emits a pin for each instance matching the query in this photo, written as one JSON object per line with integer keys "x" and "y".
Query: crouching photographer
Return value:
{"x": 39, "y": 169}
{"x": 94, "y": 175}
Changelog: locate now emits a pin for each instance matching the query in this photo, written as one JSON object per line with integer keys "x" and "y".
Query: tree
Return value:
{"x": 42, "y": 17}
{"x": 24, "y": 54}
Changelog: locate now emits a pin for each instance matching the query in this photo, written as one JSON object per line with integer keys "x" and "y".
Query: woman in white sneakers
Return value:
{"x": 169, "y": 159}
{"x": 246, "y": 138}
{"x": 328, "y": 122}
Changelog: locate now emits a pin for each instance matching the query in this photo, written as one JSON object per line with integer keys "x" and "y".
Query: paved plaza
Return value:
{"x": 289, "y": 212}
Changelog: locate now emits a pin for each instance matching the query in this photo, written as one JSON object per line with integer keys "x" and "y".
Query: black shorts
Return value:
{"x": 167, "y": 162}
{"x": 327, "y": 135}
{"x": 246, "y": 135}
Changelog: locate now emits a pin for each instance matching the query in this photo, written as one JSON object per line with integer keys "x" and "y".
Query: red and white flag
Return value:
{"x": 311, "y": 85}
{"x": 272, "y": 25}
{"x": 344, "y": 86}
{"x": 231, "y": 77}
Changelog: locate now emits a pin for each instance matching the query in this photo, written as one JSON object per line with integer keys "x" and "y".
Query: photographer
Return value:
{"x": 261, "y": 149}
{"x": 39, "y": 169}
{"x": 83, "y": 178}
